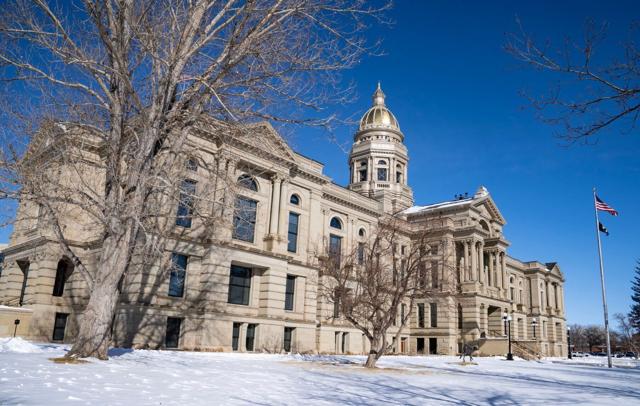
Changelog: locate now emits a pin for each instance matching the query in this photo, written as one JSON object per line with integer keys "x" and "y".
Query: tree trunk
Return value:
{"x": 94, "y": 335}
{"x": 376, "y": 351}
{"x": 372, "y": 358}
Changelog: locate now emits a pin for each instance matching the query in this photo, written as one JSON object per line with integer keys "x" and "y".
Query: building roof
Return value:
{"x": 441, "y": 205}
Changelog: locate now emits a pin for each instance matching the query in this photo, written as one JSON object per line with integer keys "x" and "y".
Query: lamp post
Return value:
{"x": 569, "y": 340}
{"x": 534, "y": 323}
{"x": 506, "y": 317}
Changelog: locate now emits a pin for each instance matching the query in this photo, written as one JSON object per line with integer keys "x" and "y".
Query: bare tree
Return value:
{"x": 578, "y": 338}
{"x": 127, "y": 82}
{"x": 595, "y": 336}
{"x": 626, "y": 332}
{"x": 595, "y": 91}
{"x": 370, "y": 284}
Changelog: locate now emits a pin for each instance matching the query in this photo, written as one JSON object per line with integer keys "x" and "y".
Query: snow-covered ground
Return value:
{"x": 28, "y": 377}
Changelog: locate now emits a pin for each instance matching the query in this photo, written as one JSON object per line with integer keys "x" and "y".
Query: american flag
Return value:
{"x": 602, "y": 206}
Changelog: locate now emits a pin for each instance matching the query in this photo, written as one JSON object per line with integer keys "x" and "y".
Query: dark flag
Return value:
{"x": 602, "y": 206}
{"x": 603, "y": 229}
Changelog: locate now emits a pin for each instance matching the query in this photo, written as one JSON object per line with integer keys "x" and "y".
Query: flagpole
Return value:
{"x": 604, "y": 294}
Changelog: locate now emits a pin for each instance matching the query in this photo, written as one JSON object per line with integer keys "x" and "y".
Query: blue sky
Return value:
{"x": 456, "y": 95}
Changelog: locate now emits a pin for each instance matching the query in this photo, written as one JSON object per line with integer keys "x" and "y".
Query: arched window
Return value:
{"x": 295, "y": 200}
{"x": 382, "y": 171}
{"x": 336, "y": 223}
{"x": 248, "y": 182}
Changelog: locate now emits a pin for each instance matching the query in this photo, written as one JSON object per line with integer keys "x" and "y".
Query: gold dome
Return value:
{"x": 379, "y": 116}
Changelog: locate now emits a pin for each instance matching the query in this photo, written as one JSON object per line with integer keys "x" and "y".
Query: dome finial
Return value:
{"x": 378, "y": 96}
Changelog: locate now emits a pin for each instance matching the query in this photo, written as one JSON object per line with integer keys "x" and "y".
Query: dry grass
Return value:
{"x": 64, "y": 360}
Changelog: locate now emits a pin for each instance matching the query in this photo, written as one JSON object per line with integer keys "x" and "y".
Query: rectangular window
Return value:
{"x": 292, "y": 245}
{"x": 382, "y": 174}
{"x": 336, "y": 304}
{"x": 244, "y": 219}
{"x": 24, "y": 267}
{"x": 335, "y": 249}
{"x": 239, "y": 285}
{"x": 192, "y": 164}
{"x": 59, "y": 325}
{"x": 288, "y": 337}
{"x": 61, "y": 278}
{"x": 289, "y": 292}
{"x": 363, "y": 175}
{"x": 360, "y": 253}
{"x": 251, "y": 337}
{"x": 422, "y": 276}
{"x": 235, "y": 336}
{"x": 420, "y": 315}
{"x": 177, "y": 274}
{"x": 433, "y": 310}
{"x": 403, "y": 309}
{"x": 434, "y": 275}
{"x": 172, "y": 335}
{"x": 185, "y": 204}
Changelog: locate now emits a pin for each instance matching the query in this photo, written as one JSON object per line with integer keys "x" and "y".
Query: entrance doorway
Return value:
{"x": 494, "y": 318}
{"x": 433, "y": 345}
{"x": 420, "y": 345}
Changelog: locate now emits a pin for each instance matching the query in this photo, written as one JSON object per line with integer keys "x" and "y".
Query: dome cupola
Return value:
{"x": 379, "y": 116}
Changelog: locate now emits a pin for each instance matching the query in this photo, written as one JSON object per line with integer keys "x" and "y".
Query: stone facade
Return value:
{"x": 258, "y": 291}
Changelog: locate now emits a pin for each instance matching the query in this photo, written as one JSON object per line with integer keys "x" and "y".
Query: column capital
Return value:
{"x": 276, "y": 178}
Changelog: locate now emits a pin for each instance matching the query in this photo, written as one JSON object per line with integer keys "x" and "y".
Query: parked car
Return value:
{"x": 631, "y": 354}
{"x": 578, "y": 354}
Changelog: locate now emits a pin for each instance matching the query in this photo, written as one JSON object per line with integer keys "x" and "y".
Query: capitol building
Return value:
{"x": 254, "y": 286}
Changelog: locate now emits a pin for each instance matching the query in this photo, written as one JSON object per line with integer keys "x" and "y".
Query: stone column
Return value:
{"x": 492, "y": 277}
{"x": 465, "y": 256}
{"x": 474, "y": 260}
{"x": 275, "y": 203}
{"x": 482, "y": 276}
{"x": 497, "y": 274}
{"x": 503, "y": 266}
{"x": 405, "y": 178}
{"x": 392, "y": 171}
{"x": 283, "y": 204}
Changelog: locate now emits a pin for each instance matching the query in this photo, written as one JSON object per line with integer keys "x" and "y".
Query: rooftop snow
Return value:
{"x": 441, "y": 205}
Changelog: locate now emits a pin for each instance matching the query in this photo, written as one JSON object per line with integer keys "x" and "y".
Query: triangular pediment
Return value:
{"x": 258, "y": 138}
{"x": 488, "y": 208}
{"x": 264, "y": 137}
